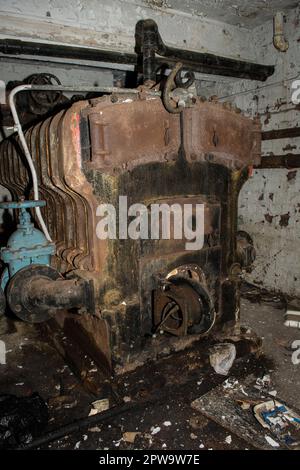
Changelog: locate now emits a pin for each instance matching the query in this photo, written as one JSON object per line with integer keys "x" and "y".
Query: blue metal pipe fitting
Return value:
{"x": 27, "y": 245}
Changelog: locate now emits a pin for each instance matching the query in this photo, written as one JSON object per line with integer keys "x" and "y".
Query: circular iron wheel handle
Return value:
{"x": 41, "y": 98}
{"x": 208, "y": 313}
{"x": 189, "y": 76}
{"x": 18, "y": 287}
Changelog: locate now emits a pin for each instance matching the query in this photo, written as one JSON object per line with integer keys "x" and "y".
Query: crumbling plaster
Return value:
{"x": 269, "y": 203}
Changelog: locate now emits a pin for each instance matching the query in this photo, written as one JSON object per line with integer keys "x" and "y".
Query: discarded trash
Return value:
{"x": 21, "y": 419}
{"x": 281, "y": 421}
{"x": 263, "y": 383}
{"x": 130, "y": 437}
{"x": 230, "y": 383}
{"x": 221, "y": 357}
{"x": 228, "y": 439}
{"x": 94, "y": 429}
{"x": 2, "y": 352}
{"x": 155, "y": 430}
{"x": 245, "y": 404}
{"x": 167, "y": 423}
{"x": 126, "y": 399}
{"x": 258, "y": 294}
{"x": 292, "y": 314}
{"x": 98, "y": 406}
{"x": 271, "y": 441}
{"x": 62, "y": 401}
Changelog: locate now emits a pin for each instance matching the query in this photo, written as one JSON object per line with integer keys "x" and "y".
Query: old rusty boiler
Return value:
{"x": 115, "y": 294}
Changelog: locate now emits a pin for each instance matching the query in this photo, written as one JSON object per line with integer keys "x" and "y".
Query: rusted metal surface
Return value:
{"x": 131, "y": 132}
{"x": 215, "y": 133}
{"x": 289, "y": 160}
{"x": 130, "y": 145}
{"x": 287, "y": 133}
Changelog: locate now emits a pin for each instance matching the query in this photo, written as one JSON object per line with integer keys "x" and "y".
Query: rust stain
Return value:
{"x": 269, "y": 218}
{"x": 284, "y": 220}
{"x": 289, "y": 147}
{"x": 291, "y": 175}
{"x": 268, "y": 116}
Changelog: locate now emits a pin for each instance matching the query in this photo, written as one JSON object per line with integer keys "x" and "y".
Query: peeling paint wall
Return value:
{"x": 269, "y": 204}
{"x": 269, "y": 209}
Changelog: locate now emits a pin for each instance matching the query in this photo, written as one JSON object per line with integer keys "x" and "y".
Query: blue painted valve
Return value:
{"x": 33, "y": 290}
{"x": 27, "y": 245}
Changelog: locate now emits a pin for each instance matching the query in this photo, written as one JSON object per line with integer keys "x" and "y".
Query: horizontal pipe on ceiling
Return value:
{"x": 287, "y": 133}
{"x": 288, "y": 161}
{"x": 195, "y": 61}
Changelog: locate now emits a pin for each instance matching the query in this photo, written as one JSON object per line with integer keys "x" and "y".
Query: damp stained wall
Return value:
{"x": 269, "y": 203}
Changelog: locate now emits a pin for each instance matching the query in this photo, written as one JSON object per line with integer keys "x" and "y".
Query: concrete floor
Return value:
{"x": 169, "y": 422}
{"x": 267, "y": 318}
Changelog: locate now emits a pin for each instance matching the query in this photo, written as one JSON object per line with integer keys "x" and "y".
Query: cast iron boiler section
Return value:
{"x": 124, "y": 290}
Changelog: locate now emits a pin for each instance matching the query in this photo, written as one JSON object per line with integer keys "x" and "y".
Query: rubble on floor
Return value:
{"x": 164, "y": 418}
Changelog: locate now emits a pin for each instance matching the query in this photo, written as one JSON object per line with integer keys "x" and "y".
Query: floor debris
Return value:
{"x": 222, "y": 356}
{"x": 271, "y": 441}
{"x": 282, "y": 422}
{"x": 256, "y": 294}
{"x": 2, "y": 352}
{"x": 43, "y": 369}
{"x": 21, "y": 419}
{"x": 98, "y": 406}
{"x": 130, "y": 436}
{"x": 224, "y": 407}
{"x": 62, "y": 401}
{"x": 77, "y": 445}
{"x": 155, "y": 430}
